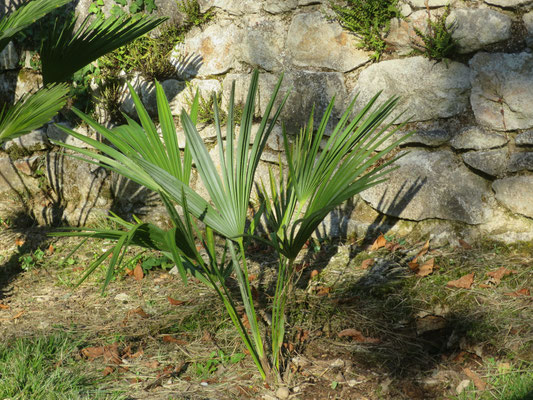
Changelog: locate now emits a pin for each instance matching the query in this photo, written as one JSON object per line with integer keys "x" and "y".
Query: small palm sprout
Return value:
{"x": 315, "y": 183}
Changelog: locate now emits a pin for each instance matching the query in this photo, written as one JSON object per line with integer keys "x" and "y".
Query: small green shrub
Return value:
{"x": 147, "y": 55}
{"x": 318, "y": 180}
{"x": 438, "y": 42}
{"x": 368, "y": 19}
{"x": 206, "y": 116}
{"x": 110, "y": 100}
{"x": 191, "y": 11}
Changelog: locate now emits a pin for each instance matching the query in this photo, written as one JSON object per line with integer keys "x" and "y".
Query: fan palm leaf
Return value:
{"x": 319, "y": 180}
{"x": 24, "y": 16}
{"x": 32, "y": 111}
{"x": 67, "y": 50}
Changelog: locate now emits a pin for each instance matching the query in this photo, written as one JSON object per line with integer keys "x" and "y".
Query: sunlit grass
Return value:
{"x": 45, "y": 368}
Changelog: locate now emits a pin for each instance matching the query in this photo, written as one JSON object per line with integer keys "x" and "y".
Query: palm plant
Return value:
{"x": 63, "y": 52}
{"x": 316, "y": 182}
{"x": 31, "y": 111}
{"x": 66, "y": 49}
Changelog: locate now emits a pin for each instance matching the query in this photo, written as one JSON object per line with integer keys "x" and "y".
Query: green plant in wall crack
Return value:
{"x": 150, "y": 56}
{"x": 368, "y": 19}
{"x": 120, "y": 7}
{"x": 317, "y": 181}
{"x": 192, "y": 13}
{"x": 438, "y": 43}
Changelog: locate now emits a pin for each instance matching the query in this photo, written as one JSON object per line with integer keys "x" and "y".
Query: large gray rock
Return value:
{"x": 139, "y": 84}
{"x": 172, "y": 88}
{"x": 233, "y": 7}
{"x": 82, "y": 188}
{"x": 53, "y": 132}
{"x": 502, "y": 90}
{"x": 427, "y": 90}
{"x": 12, "y": 183}
{"x": 491, "y": 162}
{"x": 477, "y": 28}
{"x": 30, "y": 142}
{"x": 521, "y": 162}
{"x": 306, "y": 89}
{"x": 309, "y": 2}
{"x": 280, "y": 6}
{"x": 516, "y": 193}
{"x": 432, "y": 185}
{"x": 313, "y": 41}
{"x": 524, "y": 139}
{"x": 425, "y": 137}
{"x": 28, "y": 81}
{"x": 430, "y": 138}
{"x": 476, "y": 138}
{"x": 263, "y": 43}
{"x": 212, "y": 51}
{"x": 8, "y": 84}
{"x": 508, "y": 3}
{"x": 9, "y": 57}
{"x": 16, "y": 189}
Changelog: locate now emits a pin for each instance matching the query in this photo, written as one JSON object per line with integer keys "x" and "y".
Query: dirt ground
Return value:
{"x": 355, "y": 333}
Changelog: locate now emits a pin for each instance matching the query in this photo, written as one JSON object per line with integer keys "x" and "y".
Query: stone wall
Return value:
{"x": 470, "y": 162}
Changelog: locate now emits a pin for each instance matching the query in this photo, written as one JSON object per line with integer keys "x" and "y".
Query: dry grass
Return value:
{"x": 415, "y": 331}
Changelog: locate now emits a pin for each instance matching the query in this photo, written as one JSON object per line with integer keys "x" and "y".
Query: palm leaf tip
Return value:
{"x": 32, "y": 111}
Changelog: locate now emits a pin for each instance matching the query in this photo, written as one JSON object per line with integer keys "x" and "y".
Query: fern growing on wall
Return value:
{"x": 368, "y": 19}
{"x": 438, "y": 42}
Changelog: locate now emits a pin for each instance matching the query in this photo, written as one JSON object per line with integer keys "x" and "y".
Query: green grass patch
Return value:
{"x": 45, "y": 368}
{"x": 504, "y": 381}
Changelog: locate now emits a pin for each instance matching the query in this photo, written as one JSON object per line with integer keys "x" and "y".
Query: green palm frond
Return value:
{"x": 66, "y": 50}
{"x": 32, "y": 111}
{"x": 320, "y": 180}
{"x": 24, "y": 16}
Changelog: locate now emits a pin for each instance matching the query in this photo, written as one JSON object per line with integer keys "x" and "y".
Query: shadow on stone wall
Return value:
{"x": 383, "y": 222}
{"x": 83, "y": 192}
